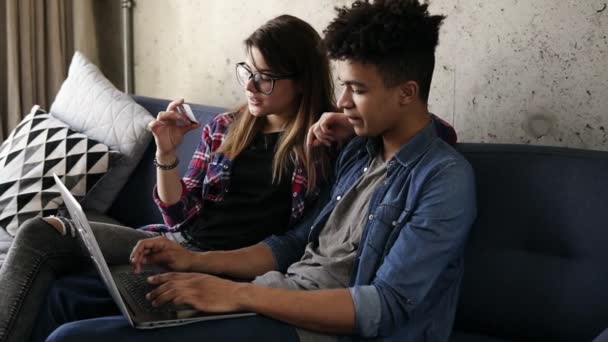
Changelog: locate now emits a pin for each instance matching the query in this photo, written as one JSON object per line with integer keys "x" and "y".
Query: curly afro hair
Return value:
{"x": 399, "y": 37}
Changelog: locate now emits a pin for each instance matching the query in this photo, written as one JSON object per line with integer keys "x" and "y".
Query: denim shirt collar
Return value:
{"x": 412, "y": 150}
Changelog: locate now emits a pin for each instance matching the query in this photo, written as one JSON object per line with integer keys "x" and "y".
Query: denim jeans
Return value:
{"x": 79, "y": 299}
{"x": 117, "y": 329}
{"x": 39, "y": 254}
{"x": 73, "y": 298}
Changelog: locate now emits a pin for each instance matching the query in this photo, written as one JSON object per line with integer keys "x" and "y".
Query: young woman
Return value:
{"x": 250, "y": 177}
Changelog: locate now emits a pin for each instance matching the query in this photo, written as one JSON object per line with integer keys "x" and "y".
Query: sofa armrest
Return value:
{"x": 94, "y": 216}
{"x": 603, "y": 337}
{"x": 5, "y": 244}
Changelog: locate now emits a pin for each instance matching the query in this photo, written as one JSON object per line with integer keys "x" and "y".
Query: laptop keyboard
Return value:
{"x": 138, "y": 287}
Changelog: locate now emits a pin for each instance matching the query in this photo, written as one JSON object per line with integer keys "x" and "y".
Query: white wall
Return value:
{"x": 188, "y": 48}
{"x": 510, "y": 71}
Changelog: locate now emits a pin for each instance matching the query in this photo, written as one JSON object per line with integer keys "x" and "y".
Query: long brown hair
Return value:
{"x": 290, "y": 46}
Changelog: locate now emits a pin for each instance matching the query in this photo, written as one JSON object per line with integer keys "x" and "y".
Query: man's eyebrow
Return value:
{"x": 352, "y": 82}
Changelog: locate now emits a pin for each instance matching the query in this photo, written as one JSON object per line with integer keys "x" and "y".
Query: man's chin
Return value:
{"x": 362, "y": 132}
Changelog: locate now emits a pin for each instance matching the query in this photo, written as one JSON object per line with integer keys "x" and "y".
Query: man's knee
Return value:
{"x": 69, "y": 332}
{"x": 101, "y": 329}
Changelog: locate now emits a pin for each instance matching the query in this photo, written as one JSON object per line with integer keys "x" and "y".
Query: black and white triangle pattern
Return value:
{"x": 38, "y": 147}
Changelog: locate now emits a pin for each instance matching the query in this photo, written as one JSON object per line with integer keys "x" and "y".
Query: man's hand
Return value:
{"x": 203, "y": 292}
{"x": 211, "y": 294}
{"x": 331, "y": 128}
{"x": 161, "y": 251}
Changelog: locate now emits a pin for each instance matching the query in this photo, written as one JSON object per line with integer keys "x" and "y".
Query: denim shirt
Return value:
{"x": 407, "y": 274}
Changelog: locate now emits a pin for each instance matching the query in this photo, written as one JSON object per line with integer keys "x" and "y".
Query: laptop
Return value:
{"x": 129, "y": 289}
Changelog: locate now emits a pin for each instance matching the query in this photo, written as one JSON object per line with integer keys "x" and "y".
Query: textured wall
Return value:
{"x": 188, "y": 48}
{"x": 524, "y": 71}
{"x": 516, "y": 71}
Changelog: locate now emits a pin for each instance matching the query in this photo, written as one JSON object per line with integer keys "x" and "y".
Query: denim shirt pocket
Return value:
{"x": 384, "y": 222}
{"x": 404, "y": 216}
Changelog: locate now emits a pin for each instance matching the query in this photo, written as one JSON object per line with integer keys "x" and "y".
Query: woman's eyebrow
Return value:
{"x": 253, "y": 69}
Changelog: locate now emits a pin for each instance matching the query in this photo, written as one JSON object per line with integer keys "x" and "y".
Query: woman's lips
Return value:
{"x": 254, "y": 101}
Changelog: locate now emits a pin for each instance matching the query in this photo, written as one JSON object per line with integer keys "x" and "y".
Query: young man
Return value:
{"x": 383, "y": 257}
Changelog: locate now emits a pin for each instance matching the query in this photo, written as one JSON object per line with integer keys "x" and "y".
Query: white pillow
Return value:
{"x": 38, "y": 147}
{"x": 91, "y": 105}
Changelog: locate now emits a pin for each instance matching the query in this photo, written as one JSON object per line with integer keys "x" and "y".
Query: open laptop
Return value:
{"x": 127, "y": 288}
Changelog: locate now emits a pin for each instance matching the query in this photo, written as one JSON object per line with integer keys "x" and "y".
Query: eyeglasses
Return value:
{"x": 262, "y": 82}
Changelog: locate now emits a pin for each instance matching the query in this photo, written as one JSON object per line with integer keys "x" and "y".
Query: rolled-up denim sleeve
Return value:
{"x": 368, "y": 309}
{"x": 433, "y": 237}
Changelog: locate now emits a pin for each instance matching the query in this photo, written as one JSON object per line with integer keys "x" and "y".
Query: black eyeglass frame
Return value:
{"x": 252, "y": 75}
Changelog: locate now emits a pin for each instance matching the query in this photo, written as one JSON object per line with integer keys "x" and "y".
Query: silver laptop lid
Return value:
{"x": 86, "y": 233}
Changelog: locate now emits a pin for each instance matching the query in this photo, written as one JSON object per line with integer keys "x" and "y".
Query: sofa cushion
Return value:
{"x": 466, "y": 337}
{"x": 90, "y": 104}
{"x": 38, "y": 147}
{"x": 536, "y": 259}
{"x": 94, "y": 216}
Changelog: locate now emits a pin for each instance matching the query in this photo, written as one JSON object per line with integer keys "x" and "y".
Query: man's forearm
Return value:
{"x": 329, "y": 311}
{"x": 246, "y": 263}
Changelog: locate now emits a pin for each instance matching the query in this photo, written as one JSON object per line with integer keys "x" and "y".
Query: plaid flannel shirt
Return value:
{"x": 208, "y": 179}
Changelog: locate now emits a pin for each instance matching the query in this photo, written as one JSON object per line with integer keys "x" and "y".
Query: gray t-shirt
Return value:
{"x": 330, "y": 264}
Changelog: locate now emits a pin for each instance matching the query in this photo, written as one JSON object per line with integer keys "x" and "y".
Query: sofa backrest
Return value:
{"x": 134, "y": 205}
{"x": 537, "y": 260}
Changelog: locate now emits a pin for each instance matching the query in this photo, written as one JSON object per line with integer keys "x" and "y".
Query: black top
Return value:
{"x": 253, "y": 207}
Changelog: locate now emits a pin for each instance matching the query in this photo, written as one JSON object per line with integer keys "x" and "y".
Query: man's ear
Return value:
{"x": 408, "y": 92}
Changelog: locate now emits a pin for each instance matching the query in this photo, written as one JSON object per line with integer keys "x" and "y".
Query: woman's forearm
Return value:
{"x": 168, "y": 182}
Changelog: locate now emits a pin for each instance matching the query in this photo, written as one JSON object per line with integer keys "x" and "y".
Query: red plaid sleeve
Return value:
{"x": 191, "y": 201}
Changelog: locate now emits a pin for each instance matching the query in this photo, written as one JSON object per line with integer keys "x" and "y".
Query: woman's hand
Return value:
{"x": 161, "y": 251}
{"x": 169, "y": 129}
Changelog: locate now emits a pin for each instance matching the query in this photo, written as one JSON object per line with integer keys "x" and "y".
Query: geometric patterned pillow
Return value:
{"x": 38, "y": 147}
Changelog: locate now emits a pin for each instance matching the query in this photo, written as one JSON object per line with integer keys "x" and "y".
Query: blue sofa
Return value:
{"x": 537, "y": 260}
